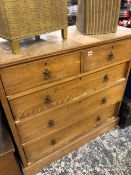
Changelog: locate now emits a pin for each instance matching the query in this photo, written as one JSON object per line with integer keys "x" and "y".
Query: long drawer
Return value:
{"x": 50, "y": 122}
{"x": 107, "y": 54}
{"x": 42, "y": 147}
{"x": 26, "y": 76}
{"x": 44, "y": 100}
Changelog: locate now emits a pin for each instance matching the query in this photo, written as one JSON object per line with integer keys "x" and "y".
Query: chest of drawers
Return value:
{"x": 59, "y": 95}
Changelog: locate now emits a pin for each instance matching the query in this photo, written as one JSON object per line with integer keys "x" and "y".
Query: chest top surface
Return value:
{"x": 52, "y": 44}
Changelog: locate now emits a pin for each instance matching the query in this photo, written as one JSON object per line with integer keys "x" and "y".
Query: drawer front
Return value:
{"x": 45, "y": 100}
{"x": 50, "y": 143}
{"x": 107, "y": 54}
{"x": 26, "y": 76}
{"x": 50, "y": 122}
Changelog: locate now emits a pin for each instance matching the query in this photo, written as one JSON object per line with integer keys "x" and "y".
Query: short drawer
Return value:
{"x": 106, "y": 54}
{"x": 48, "y": 99}
{"x": 26, "y": 76}
{"x": 50, "y": 122}
{"x": 44, "y": 146}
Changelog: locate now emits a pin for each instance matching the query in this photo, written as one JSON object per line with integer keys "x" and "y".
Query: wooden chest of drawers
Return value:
{"x": 60, "y": 98}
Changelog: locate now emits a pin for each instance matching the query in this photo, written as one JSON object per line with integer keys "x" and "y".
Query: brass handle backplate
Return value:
{"x": 51, "y": 123}
{"x": 104, "y": 101}
{"x": 110, "y": 56}
{"x": 106, "y": 77}
{"x": 53, "y": 141}
{"x": 98, "y": 120}
{"x": 47, "y": 74}
{"x": 48, "y": 99}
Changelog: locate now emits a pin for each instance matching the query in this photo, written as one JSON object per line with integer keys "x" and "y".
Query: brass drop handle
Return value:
{"x": 48, "y": 99}
{"x": 51, "y": 123}
{"x": 104, "y": 101}
{"x": 110, "y": 56}
{"x": 47, "y": 74}
{"x": 98, "y": 120}
{"x": 53, "y": 141}
{"x": 106, "y": 77}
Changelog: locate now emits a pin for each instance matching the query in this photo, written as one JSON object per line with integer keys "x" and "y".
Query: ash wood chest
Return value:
{"x": 59, "y": 95}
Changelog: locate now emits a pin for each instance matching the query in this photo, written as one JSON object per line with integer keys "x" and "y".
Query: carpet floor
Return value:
{"x": 109, "y": 154}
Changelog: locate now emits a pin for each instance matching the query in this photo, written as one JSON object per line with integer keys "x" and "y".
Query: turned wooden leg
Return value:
{"x": 64, "y": 33}
{"x": 37, "y": 37}
{"x": 15, "y": 46}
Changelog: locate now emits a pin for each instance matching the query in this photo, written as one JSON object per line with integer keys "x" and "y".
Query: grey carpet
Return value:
{"x": 109, "y": 154}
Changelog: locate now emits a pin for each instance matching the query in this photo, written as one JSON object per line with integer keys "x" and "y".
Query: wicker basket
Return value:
{"x": 22, "y": 19}
{"x": 97, "y": 16}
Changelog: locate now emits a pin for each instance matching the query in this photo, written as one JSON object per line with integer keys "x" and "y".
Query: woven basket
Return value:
{"x": 97, "y": 16}
{"x": 27, "y": 18}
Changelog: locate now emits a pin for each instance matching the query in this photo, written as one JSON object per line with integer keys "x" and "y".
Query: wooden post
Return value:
{"x": 64, "y": 33}
{"x": 15, "y": 46}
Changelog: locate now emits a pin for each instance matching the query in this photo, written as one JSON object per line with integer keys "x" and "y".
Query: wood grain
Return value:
{"x": 34, "y": 104}
{"x": 6, "y": 144}
{"x": 80, "y": 89}
{"x": 43, "y": 147}
{"x": 55, "y": 83}
{"x": 11, "y": 122}
{"x": 106, "y": 54}
{"x": 39, "y": 147}
{"x": 61, "y": 118}
{"x": 53, "y": 45}
{"x": 26, "y": 76}
{"x": 8, "y": 165}
{"x": 35, "y": 167}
